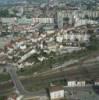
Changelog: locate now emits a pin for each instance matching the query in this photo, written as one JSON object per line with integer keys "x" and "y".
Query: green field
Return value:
{"x": 4, "y": 77}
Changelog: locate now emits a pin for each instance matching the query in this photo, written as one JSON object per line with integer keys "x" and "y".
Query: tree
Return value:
{"x": 86, "y": 17}
{"x": 4, "y": 13}
{"x": 2, "y": 98}
{"x": 66, "y": 19}
{"x": 93, "y": 43}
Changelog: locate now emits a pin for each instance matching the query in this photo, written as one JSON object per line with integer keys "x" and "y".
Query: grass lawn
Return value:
{"x": 2, "y": 98}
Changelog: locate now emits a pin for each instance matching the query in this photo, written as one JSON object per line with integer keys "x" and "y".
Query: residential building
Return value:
{"x": 56, "y": 93}
{"x": 76, "y": 83}
{"x": 70, "y": 13}
{"x": 9, "y": 21}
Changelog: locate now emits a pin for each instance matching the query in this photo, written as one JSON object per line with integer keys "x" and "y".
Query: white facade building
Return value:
{"x": 43, "y": 20}
{"x": 56, "y": 93}
{"x": 76, "y": 83}
{"x": 71, "y": 83}
{"x": 72, "y": 36}
{"x": 96, "y": 83}
{"x": 9, "y": 21}
{"x": 23, "y": 58}
{"x": 59, "y": 39}
{"x": 70, "y": 13}
{"x": 84, "y": 22}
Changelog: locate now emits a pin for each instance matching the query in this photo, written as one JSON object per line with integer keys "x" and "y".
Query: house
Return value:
{"x": 41, "y": 59}
{"x": 56, "y": 92}
{"x": 59, "y": 38}
{"x": 27, "y": 55}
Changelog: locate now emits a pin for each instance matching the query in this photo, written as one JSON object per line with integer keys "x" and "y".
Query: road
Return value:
{"x": 18, "y": 85}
